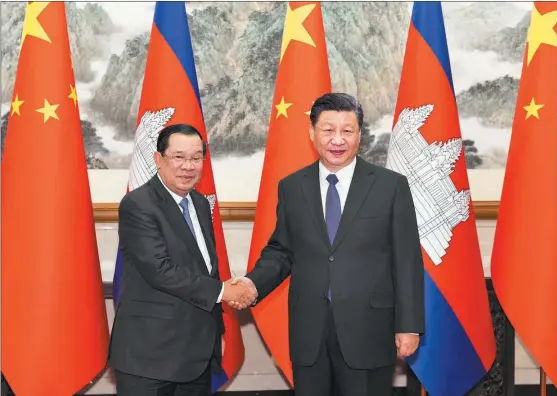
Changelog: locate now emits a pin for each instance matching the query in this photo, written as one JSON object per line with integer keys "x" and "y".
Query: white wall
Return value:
{"x": 258, "y": 371}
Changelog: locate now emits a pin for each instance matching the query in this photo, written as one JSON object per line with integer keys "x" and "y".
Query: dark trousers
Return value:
{"x": 331, "y": 376}
{"x": 131, "y": 385}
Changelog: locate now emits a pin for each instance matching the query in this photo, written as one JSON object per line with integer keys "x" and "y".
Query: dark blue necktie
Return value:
{"x": 332, "y": 208}
{"x": 184, "y": 203}
{"x": 332, "y": 211}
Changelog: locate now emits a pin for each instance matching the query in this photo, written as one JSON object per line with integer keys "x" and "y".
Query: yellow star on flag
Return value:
{"x": 309, "y": 111}
{"x": 532, "y": 109}
{"x": 73, "y": 95}
{"x": 282, "y": 107}
{"x": 49, "y": 111}
{"x": 16, "y": 104}
{"x": 31, "y": 25}
{"x": 541, "y": 31}
{"x": 293, "y": 28}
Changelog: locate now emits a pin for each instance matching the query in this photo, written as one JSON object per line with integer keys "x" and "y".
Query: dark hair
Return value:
{"x": 336, "y": 102}
{"x": 184, "y": 129}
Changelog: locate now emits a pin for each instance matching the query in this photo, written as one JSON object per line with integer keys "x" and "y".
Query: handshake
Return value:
{"x": 239, "y": 292}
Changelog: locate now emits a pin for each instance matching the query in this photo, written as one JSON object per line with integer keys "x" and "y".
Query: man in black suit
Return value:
{"x": 347, "y": 234}
{"x": 167, "y": 332}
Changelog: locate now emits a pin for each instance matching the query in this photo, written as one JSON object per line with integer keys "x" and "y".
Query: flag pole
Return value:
{"x": 543, "y": 382}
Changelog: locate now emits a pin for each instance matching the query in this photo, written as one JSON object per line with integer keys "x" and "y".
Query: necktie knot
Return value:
{"x": 184, "y": 203}
{"x": 332, "y": 179}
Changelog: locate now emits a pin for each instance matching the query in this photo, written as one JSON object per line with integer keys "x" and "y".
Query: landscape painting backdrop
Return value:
{"x": 237, "y": 46}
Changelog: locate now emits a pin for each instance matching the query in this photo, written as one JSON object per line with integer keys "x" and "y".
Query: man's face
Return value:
{"x": 336, "y": 138}
{"x": 181, "y": 166}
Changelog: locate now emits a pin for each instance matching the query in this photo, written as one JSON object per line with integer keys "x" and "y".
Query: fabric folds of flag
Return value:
{"x": 54, "y": 323}
{"x": 170, "y": 95}
{"x": 524, "y": 257}
{"x": 302, "y": 76}
{"x": 426, "y": 146}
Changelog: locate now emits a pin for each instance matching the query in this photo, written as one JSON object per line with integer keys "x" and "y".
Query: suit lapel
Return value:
{"x": 362, "y": 181}
{"x": 312, "y": 193}
{"x": 205, "y": 228}
{"x": 176, "y": 219}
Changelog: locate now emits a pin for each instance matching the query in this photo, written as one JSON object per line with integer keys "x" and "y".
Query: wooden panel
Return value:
{"x": 245, "y": 211}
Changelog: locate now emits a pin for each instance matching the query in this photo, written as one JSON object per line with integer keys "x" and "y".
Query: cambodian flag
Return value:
{"x": 171, "y": 95}
{"x": 458, "y": 347}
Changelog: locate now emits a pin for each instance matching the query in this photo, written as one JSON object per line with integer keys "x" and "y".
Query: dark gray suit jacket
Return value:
{"x": 374, "y": 267}
{"x": 167, "y": 325}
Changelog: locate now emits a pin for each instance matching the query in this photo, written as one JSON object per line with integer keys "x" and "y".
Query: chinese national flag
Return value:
{"x": 524, "y": 259}
{"x": 54, "y": 325}
{"x": 302, "y": 76}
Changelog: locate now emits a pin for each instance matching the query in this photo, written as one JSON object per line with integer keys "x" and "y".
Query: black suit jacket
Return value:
{"x": 167, "y": 324}
{"x": 374, "y": 267}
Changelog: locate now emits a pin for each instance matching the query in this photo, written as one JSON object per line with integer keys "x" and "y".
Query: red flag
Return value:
{"x": 524, "y": 258}
{"x": 54, "y": 325}
{"x": 302, "y": 76}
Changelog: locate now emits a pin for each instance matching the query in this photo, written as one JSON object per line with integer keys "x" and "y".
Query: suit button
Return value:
{"x": 331, "y": 258}
{"x": 324, "y": 296}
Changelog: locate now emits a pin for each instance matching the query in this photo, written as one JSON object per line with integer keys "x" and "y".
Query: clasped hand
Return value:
{"x": 239, "y": 293}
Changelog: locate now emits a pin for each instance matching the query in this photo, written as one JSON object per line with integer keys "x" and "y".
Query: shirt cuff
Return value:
{"x": 220, "y": 294}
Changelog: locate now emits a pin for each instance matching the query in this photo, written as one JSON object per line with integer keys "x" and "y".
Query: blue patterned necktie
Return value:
{"x": 184, "y": 203}
{"x": 332, "y": 210}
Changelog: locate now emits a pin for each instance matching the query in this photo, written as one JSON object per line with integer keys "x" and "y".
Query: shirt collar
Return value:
{"x": 174, "y": 196}
{"x": 344, "y": 175}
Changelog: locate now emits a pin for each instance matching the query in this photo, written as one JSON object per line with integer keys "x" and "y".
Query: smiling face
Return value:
{"x": 336, "y": 138}
{"x": 181, "y": 165}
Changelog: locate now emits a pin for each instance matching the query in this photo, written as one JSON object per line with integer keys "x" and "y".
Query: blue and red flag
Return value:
{"x": 458, "y": 347}
{"x": 170, "y": 95}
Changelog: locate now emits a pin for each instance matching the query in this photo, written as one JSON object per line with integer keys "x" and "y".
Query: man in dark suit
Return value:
{"x": 347, "y": 234}
{"x": 167, "y": 332}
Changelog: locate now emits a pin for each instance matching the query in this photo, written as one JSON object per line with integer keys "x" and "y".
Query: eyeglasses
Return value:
{"x": 180, "y": 160}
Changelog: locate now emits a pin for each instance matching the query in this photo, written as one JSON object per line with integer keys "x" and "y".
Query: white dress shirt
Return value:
{"x": 197, "y": 228}
{"x": 343, "y": 185}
